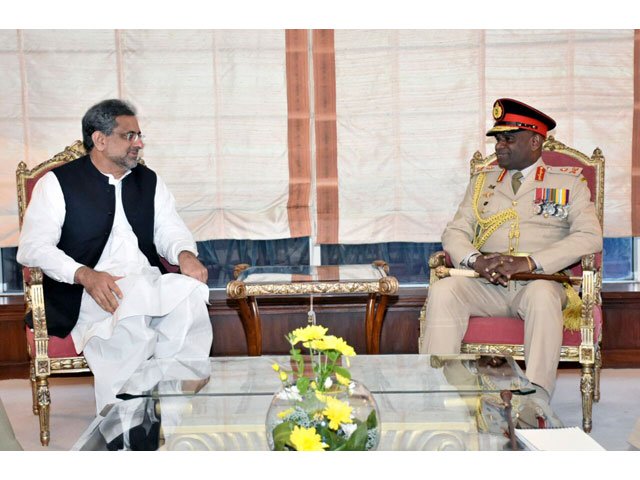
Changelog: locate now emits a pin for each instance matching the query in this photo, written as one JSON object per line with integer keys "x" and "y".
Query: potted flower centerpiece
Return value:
{"x": 319, "y": 406}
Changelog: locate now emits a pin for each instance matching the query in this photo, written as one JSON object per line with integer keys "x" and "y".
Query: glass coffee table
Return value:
{"x": 425, "y": 402}
{"x": 254, "y": 282}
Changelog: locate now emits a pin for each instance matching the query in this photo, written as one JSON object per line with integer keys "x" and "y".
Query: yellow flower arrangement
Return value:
{"x": 337, "y": 412}
{"x": 307, "y": 439}
{"x": 315, "y": 412}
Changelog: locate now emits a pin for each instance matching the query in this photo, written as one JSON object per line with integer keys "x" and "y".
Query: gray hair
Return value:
{"x": 102, "y": 118}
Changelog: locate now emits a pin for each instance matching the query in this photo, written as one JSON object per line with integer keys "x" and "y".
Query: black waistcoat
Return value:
{"x": 90, "y": 205}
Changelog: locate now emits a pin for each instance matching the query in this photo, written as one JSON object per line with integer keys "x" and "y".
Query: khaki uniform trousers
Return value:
{"x": 539, "y": 303}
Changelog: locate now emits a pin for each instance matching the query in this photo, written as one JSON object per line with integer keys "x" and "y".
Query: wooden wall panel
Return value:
{"x": 14, "y": 358}
{"x": 621, "y": 331}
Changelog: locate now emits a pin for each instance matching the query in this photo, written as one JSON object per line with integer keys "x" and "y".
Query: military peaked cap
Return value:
{"x": 511, "y": 115}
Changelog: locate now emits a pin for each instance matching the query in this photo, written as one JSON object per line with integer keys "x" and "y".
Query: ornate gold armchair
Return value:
{"x": 48, "y": 355}
{"x": 503, "y": 335}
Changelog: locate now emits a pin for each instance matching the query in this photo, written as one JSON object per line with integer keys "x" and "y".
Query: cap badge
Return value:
{"x": 498, "y": 111}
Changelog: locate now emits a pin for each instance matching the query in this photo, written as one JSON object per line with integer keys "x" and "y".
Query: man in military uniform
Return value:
{"x": 517, "y": 216}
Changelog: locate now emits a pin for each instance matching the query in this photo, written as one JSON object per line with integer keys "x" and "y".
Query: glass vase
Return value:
{"x": 356, "y": 427}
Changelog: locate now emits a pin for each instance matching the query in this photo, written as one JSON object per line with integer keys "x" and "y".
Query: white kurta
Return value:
{"x": 159, "y": 315}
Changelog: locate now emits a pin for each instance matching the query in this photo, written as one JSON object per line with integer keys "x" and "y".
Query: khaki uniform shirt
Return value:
{"x": 554, "y": 242}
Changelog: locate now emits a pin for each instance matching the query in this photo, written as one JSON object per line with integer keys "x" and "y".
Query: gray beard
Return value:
{"x": 125, "y": 162}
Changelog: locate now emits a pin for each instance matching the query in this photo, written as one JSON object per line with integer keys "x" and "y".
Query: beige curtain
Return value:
{"x": 393, "y": 117}
{"x": 212, "y": 104}
{"x": 414, "y": 105}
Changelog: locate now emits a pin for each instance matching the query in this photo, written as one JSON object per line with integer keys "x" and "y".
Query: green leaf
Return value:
{"x": 372, "y": 420}
{"x": 330, "y": 437}
{"x": 333, "y": 355}
{"x": 342, "y": 371}
{"x": 358, "y": 439}
{"x": 281, "y": 434}
{"x": 303, "y": 385}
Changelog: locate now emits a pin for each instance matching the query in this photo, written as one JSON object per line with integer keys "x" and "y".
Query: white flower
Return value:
{"x": 290, "y": 393}
{"x": 348, "y": 428}
{"x": 328, "y": 382}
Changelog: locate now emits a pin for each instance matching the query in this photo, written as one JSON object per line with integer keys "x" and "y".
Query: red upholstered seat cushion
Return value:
{"x": 58, "y": 347}
{"x": 509, "y": 330}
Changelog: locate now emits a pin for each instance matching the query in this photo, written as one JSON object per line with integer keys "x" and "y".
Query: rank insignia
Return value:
{"x": 571, "y": 170}
{"x": 485, "y": 168}
{"x": 502, "y": 174}
{"x": 540, "y": 171}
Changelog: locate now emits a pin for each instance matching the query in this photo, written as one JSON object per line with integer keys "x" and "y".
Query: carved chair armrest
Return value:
{"x": 34, "y": 298}
{"x": 589, "y": 262}
{"x": 591, "y": 265}
{"x": 590, "y": 289}
{"x": 32, "y": 277}
{"x": 438, "y": 266}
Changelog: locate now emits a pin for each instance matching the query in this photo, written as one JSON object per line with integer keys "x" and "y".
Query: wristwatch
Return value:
{"x": 472, "y": 260}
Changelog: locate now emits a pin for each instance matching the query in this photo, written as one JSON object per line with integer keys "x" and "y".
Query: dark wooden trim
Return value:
{"x": 14, "y": 358}
{"x": 621, "y": 331}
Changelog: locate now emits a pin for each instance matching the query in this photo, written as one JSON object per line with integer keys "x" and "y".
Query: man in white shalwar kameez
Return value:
{"x": 129, "y": 311}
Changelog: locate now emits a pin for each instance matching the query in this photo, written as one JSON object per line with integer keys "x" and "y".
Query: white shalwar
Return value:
{"x": 159, "y": 316}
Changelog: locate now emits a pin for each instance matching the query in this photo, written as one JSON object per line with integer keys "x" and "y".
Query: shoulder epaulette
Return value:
{"x": 485, "y": 168}
{"x": 574, "y": 171}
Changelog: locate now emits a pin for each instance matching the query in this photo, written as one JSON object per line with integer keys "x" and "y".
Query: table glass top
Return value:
{"x": 425, "y": 403}
{"x": 237, "y": 376}
{"x": 311, "y": 274}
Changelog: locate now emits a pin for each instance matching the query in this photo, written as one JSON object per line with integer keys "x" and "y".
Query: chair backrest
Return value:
{"x": 557, "y": 154}
{"x": 26, "y": 179}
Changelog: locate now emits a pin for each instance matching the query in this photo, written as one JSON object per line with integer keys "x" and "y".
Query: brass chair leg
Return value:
{"x": 43, "y": 409}
{"x": 586, "y": 388}
{"x": 34, "y": 395}
{"x": 596, "y": 391}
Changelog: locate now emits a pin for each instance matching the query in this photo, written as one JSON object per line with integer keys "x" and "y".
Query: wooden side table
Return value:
{"x": 253, "y": 282}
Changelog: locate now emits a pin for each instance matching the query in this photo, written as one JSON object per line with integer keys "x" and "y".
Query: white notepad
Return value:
{"x": 554, "y": 439}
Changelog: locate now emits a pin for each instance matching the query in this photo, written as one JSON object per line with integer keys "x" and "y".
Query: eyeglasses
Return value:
{"x": 131, "y": 136}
